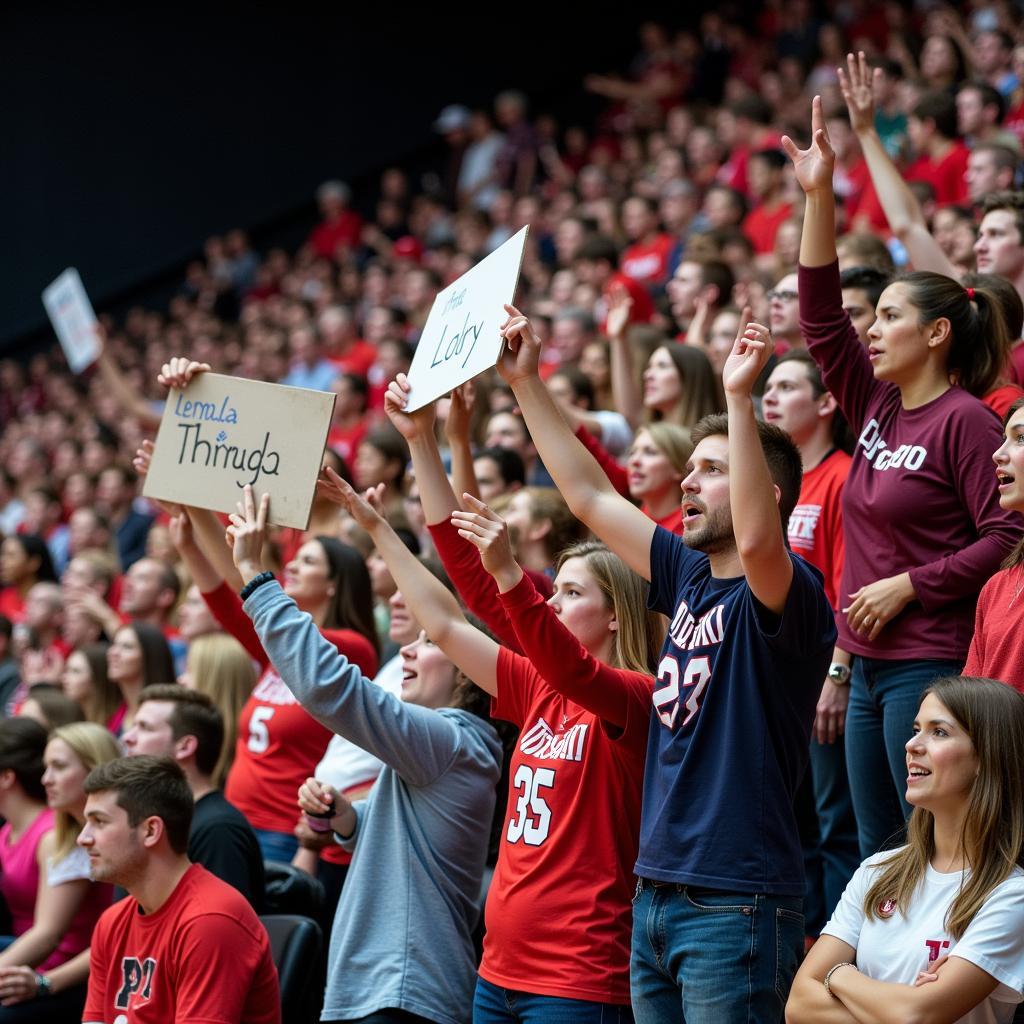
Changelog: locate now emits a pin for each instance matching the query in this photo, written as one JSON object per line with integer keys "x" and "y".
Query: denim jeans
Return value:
{"x": 884, "y": 698}
{"x": 279, "y": 846}
{"x": 830, "y": 863}
{"x": 494, "y": 1005}
{"x": 708, "y": 957}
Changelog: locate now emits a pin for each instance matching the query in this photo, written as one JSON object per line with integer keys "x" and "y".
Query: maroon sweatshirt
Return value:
{"x": 921, "y": 495}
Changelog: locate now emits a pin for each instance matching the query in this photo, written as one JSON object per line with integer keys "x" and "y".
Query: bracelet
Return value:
{"x": 256, "y": 582}
{"x": 832, "y": 970}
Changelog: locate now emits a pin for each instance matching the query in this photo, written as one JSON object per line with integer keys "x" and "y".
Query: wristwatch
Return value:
{"x": 839, "y": 673}
{"x": 42, "y": 985}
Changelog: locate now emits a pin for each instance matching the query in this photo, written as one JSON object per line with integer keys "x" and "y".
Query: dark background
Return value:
{"x": 129, "y": 138}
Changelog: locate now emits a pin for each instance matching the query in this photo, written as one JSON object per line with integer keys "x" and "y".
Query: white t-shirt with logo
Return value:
{"x": 897, "y": 947}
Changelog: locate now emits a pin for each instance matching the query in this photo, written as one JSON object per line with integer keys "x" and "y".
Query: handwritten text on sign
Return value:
{"x": 73, "y": 319}
{"x": 460, "y": 338}
{"x": 222, "y": 433}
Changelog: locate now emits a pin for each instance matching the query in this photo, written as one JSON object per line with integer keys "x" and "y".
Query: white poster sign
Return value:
{"x": 73, "y": 319}
{"x": 460, "y": 338}
{"x": 222, "y": 433}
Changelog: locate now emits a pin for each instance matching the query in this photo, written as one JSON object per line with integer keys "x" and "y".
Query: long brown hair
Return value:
{"x": 1016, "y": 556}
{"x": 979, "y": 343}
{"x": 992, "y": 715}
{"x": 700, "y": 387}
{"x": 637, "y": 640}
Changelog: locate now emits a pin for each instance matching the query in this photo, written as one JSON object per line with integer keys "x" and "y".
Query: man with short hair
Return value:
{"x": 784, "y": 314}
{"x": 498, "y": 471}
{"x": 862, "y": 288}
{"x": 150, "y": 591}
{"x": 941, "y": 156}
{"x": 184, "y": 946}
{"x": 645, "y": 259}
{"x": 707, "y": 281}
{"x": 993, "y": 59}
{"x": 717, "y": 930}
{"x": 1000, "y": 250}
{"x": 186, "y": 726}
{"x": 991, "y": 167}
{"x": 765, "y": 176}
{"x": 980, "y": 110}
{"x": 115, "y": 498}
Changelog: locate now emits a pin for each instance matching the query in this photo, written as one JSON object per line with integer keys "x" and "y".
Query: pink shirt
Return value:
{"x": 19, "y": 882}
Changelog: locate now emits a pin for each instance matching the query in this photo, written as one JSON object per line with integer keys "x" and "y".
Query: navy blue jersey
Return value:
{"x": 733, "y": 709}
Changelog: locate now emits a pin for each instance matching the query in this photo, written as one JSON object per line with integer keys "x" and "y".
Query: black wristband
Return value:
{"x": 255, "y": 583}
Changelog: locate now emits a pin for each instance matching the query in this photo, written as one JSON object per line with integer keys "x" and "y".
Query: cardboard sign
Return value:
{"x": 461, "y": 336}
{"x": 222, "y": 433}
{"x": 70, "y": 312}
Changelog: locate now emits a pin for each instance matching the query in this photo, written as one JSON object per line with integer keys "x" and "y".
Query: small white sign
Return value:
{"x": 461, "y": 337}
{"x": 73, "y": 319}
{"x": 222, "y": 433}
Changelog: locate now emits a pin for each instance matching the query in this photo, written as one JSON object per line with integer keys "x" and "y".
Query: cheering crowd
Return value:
{"x": 669, "y": 671}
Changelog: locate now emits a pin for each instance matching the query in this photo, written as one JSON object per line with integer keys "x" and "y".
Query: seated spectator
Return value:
{"x": 941, "y": 156}
{"x": 340, "y": 227}
{"x": 498, "y": 471}
{"x": 935, "y": 929}
{"x": 49, "y": 960}
{"x": 137, "y": 657}
{"x": 186, "y": 726}
{"x": 115, "y": 499}
{"x": 149, "y": 594}
{"x": 541, "y": 527}
{"x": 138, "y": 815}
{"x": 85, "y": 681}
{"x": 765, "y": 176}
{"x": 47, "y": 704}
{"x": 507, "y": 430}
{"x": 194, "y": 618}
{"x": 219, "y": 668}
{"x": 308, "y": 367}
{"x": 24, "y": 562}
{"x": 348, "y": 421}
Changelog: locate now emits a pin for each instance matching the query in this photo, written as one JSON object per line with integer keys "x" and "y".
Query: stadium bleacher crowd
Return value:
{"x": 670, "y": 671}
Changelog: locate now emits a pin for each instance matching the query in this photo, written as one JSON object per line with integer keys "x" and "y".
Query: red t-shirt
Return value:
{"x": 647, "y": 262}
{"x": 344, "y": 230}
{"x": 358, "y": 358}
{"x": 816, "y": 525}
{"x": 642, "y": 310}
{"x": 12, "y": 604}
{"x": 279, "y": 743}
{"x": 201, "y": 957}
{"x": 1017, "y": 362}
{"x": 762, "y": 223}
{"x": 1000, "y": 399}
{"x": 557, "y": 912}
{"x": 998, "y": 644}
{"x": 945, "y": 175}
{"x": 346, "y": 441}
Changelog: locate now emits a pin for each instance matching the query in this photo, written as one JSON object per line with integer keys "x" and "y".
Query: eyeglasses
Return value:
{"x": 782, "y": 296}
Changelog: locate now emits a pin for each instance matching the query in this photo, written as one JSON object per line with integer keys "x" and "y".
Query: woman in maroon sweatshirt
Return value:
{"x": 924, "y": 529}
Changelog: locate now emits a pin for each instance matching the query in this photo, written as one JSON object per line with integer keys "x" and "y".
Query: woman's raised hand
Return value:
{"x": 411, "y": 425}
{"x": 520, "y": 358}
{"x": 857, "y": 83}
{"x": 365, "y": 509}
{"x": 814, "y": 165}
{"x": 488, "y": 531}
{"x": 179, "y": 370}
{"x": 460, "y": 412}
{"x": 248, "y": 533}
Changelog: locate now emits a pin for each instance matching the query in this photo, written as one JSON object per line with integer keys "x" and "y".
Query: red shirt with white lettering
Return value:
{"x": 816, "y": 524}
{"x": 279, "y": 743}
{"x": 203, "y": 957}
{"x": 557, "y": 915}
{"x": 647, "y": 262}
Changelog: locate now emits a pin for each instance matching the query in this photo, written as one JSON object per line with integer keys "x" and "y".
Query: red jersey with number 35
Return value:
{"x": 558, "y": 912}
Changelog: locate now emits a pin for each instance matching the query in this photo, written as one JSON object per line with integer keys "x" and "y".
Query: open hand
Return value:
{"x": 411, "y": 425}
{"x": 620, "y": 306}
{"x": 365, "y": 509}
{"x": 520, "y": 358}
{"x": 750, "y": 351}
{"x": 857, "y": 83}
{"x": 875, "y": 604}
{"x": 248, "y": 533}
{"x": 460, "y": 412}
{"x": 815, "y": 164}
{"x": 179, "y": 370}
{"x": 488, "y": 532}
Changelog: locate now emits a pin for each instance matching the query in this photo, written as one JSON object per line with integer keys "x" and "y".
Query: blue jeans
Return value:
{"x": 884, "y": 698}
{"x": 279, "y": 846}
{"x": 494, "y": 1005}
{"x": 836, "y": 854}
{"x": 707, "y": 957}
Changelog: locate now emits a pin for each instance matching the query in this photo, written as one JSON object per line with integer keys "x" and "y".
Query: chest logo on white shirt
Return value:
{"x": 881, "y": 456}
{"x": 541, "y": 742}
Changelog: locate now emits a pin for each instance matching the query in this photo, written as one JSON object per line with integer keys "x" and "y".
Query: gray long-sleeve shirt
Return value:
{"x": 402, "y": 934}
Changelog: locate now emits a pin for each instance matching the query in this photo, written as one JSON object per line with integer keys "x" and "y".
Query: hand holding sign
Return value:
{"x": 179, "y": 371}
{"x": 248, "y": 533}
{"x": 521, "y": 359}
{"x": 461, "y": 336}
{"x": 411, "y": 425}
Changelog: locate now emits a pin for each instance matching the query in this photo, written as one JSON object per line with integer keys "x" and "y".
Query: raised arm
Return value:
{"x": 583, "y": 483}
{"x": 814, "y": 167}
{"x": 457, "y": 431}
{"x": 753, "y": 495}
{"x": 902, "y": 210}
{"x": 430, "y": 602}
{"x": 127, "y": 395}
{"x": 626, "y": 388}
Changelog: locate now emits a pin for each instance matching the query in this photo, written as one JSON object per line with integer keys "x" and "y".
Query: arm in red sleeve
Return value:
{"x": 965, "y": 572}
{"x": 616, "y": 474}
{"x": 620, "y": 698}
{"x": 461, "y": 561}
{"x": 226, "y": 607}
{"x": 832, "y": 341}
